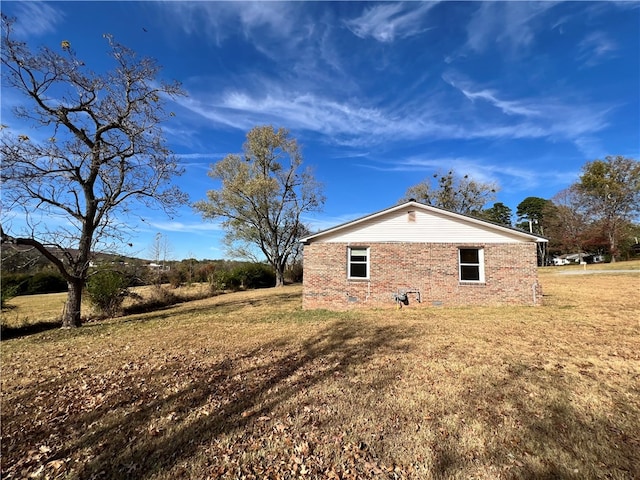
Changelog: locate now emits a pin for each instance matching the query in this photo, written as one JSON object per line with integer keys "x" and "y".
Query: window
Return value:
{"x": 358, "y": 262}
{"x": 471, "y": 265}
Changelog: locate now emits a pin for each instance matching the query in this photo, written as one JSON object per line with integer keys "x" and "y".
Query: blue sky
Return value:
{"x": 379, "y": 95}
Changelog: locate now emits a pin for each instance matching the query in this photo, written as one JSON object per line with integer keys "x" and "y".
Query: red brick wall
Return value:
{"x": 510, "y": 275}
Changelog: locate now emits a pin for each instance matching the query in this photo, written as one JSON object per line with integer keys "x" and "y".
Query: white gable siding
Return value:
{"x": 420, "y": 226}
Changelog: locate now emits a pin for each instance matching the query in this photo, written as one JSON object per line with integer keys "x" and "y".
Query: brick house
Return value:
{"x": 415, "y": 254}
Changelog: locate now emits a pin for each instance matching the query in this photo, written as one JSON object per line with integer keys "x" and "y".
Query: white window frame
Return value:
{"x": 479, "y": 264}
{"x": 366, "y": 262}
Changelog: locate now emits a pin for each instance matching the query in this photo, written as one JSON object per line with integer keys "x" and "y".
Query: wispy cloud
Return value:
{"x": 298, "y": 40}
{"x": 386, "y": 22}
{"x": 242, "y": 110}
{"x": 36, "y": 19}
{"x": 320, "y": 93}
{"x": 489, "y": 170}
{"x": 196, "y": 158}
{"x": 358, "y": 124}
{"x": 540, "y": 116}
{"x": 507, "y": 107}
{"x": 196, "y": 227}
{"x": 349, "y": 122}
{"x": 510, "y": 25}
{"x": 219, "y": 20}
{"x": 595, "y": 48}
{"x": 478, "y": 169}
{"x": 278, "y": 17}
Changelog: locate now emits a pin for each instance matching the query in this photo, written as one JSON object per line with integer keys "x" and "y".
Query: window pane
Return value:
{"x": 358, "y": 252}
{"x": 468, "y": 272}
{"x": 469, "y": 255}
{"x": 358, "y": 270}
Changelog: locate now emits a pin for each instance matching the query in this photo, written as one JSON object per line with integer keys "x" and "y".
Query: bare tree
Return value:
{"x": 454, "y": 193}
{"x": 263, "y": 194}
{"x": 160, "y": 251}
{"x": 99, "y": 147}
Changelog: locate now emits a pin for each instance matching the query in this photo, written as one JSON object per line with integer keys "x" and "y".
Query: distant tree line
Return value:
{"x": 598, "y": 213}
{"x": 27, "y": 272}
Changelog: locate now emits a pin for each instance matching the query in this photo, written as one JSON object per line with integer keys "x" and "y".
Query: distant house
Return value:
{"x": 580, "y": 258}
{"x": 415, "y": 252}
{"x": 559, "y": 261}
{"x": 158, "y": 266}
{"x": 576, "y": 257}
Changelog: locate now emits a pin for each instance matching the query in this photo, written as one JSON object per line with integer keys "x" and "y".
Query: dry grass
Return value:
{"x": 45, "y": 310}
{"x": 32, "y": 309}
{"x": 248, "y": 385}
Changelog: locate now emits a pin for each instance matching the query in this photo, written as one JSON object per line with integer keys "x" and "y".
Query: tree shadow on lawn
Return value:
{"x": 228, "y": 300}
{"x": 230, "y": 396}
{"x": 8, "y": 333}
{"x": 230, "y": 304}
{"x": 550, "y": 436}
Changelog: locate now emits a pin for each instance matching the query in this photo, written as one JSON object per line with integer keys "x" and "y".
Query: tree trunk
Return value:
{"x": 613, "y": 247}
{"x": 71, "y": 317}
{"x": 280, "y": 276}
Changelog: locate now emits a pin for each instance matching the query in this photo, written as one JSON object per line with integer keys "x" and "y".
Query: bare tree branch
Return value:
{"x": 105, "y": 150}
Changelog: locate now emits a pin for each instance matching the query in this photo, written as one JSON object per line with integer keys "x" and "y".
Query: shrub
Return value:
{"x": 205, "y": 273}
{"x": 7, "y": 292}
{"x": 256, "y": 275}
{"x": 243, "y": 276}
{"x": 159, "y": 298}
{"x": 47, "y": 282}
{"x": 18, "y": 282}
{"x": 163, "y": 297}
{"x": 177, "y": 278}
{"x": 224, "y": 280}
{"x": 41, "y": 282}
{"x": 106, "y": 290}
